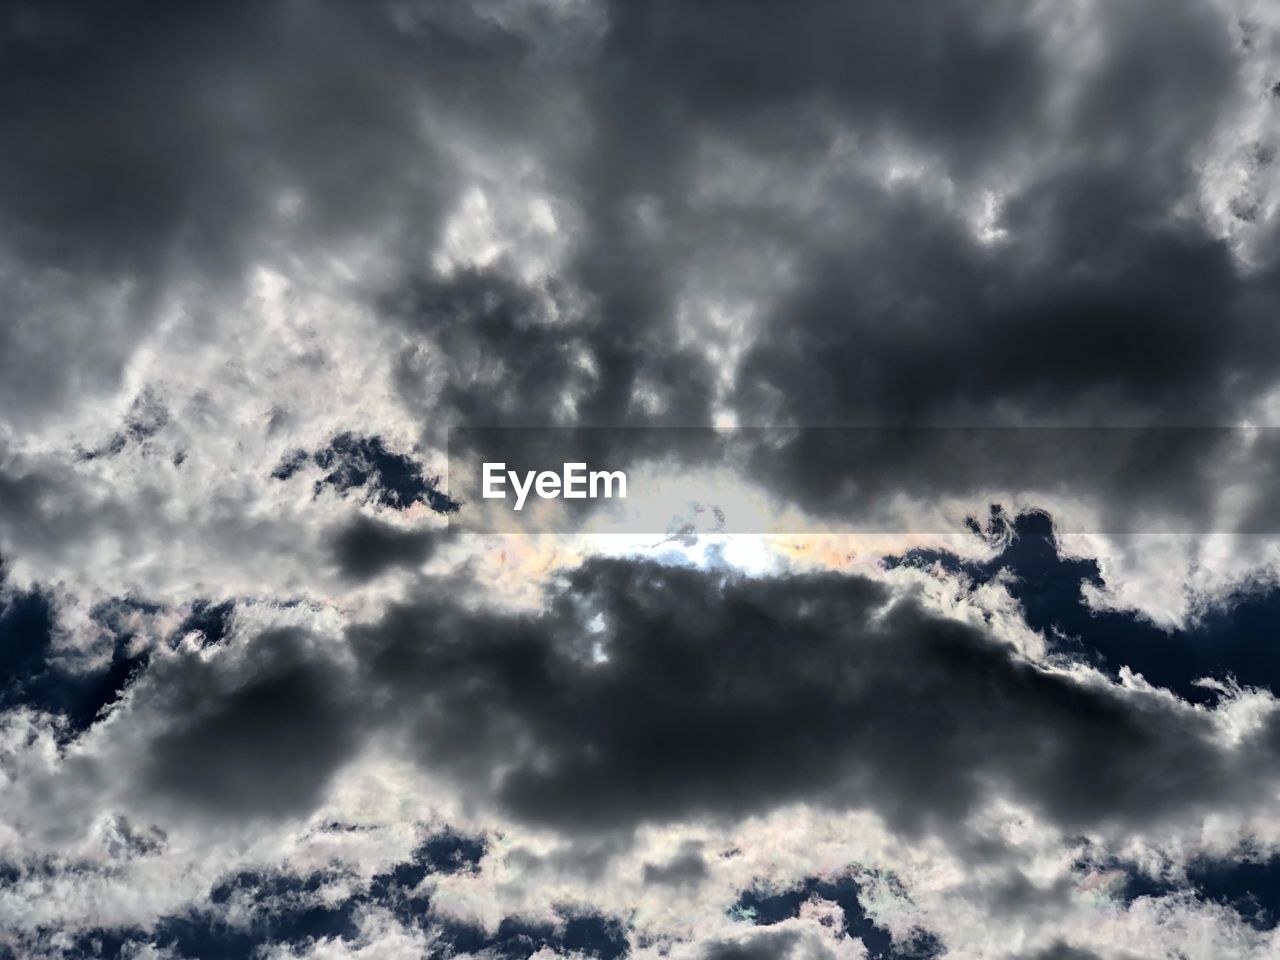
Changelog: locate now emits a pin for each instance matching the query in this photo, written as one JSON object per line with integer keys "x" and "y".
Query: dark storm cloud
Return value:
{"x": 650, "y": 694}
{"x": 508, "y": 363}
{"x": 153, "y": 135}
{"x": 732, "y": 696}
{"x": 158, "y": 153}
{"x": 153, "y": 147}
{"x": 1098, "y": 305}
{"x": 899, "y": 313}
{"x": 1090, "y": 312}
{"x": 1103, "y": 304}
{"x": 154, "y": 141}
{"x": 765, "y": 946}
{"x": 245, "y": 739}
{"x": 665, "y": 78}
{"x": 365, "y": 548}
{"x": 962, "y": 78}
{"x": 1062, "y": 951}
{"x": 687, "y": 868}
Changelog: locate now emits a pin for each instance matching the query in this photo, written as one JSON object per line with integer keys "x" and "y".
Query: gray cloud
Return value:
{"x": 1093, "y": 308}
{"x": 727, "y": 697}
{"x": 366, "y": 548}
{"x": 164, "y": 153}
{"x": 237, "y": 740}
{"x": 880, "y": 213}
{"x": 687, "y": 868}
{"x": 1062, "y": 951}
{"x": 763, "y": 946}
{"x": 128, "y": 178}
{"x": 699, "y": 695}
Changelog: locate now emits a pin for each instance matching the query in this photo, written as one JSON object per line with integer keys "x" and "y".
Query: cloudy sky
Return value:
{"x": 968, "y": 650}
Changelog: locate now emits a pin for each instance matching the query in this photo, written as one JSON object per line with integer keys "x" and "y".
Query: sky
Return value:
{"x": 949, "y": 633}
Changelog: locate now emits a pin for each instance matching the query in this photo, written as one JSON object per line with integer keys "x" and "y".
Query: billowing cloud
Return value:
{"x": 258, "y": 264}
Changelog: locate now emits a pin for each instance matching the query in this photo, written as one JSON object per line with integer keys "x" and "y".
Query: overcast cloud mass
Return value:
{"x": 266, "y": 693}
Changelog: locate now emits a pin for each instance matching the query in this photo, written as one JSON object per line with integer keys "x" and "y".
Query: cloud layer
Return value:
{"x": 261, "y": 693}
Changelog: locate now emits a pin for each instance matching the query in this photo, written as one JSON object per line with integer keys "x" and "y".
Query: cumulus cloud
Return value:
{"x": 260, "y": 262}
